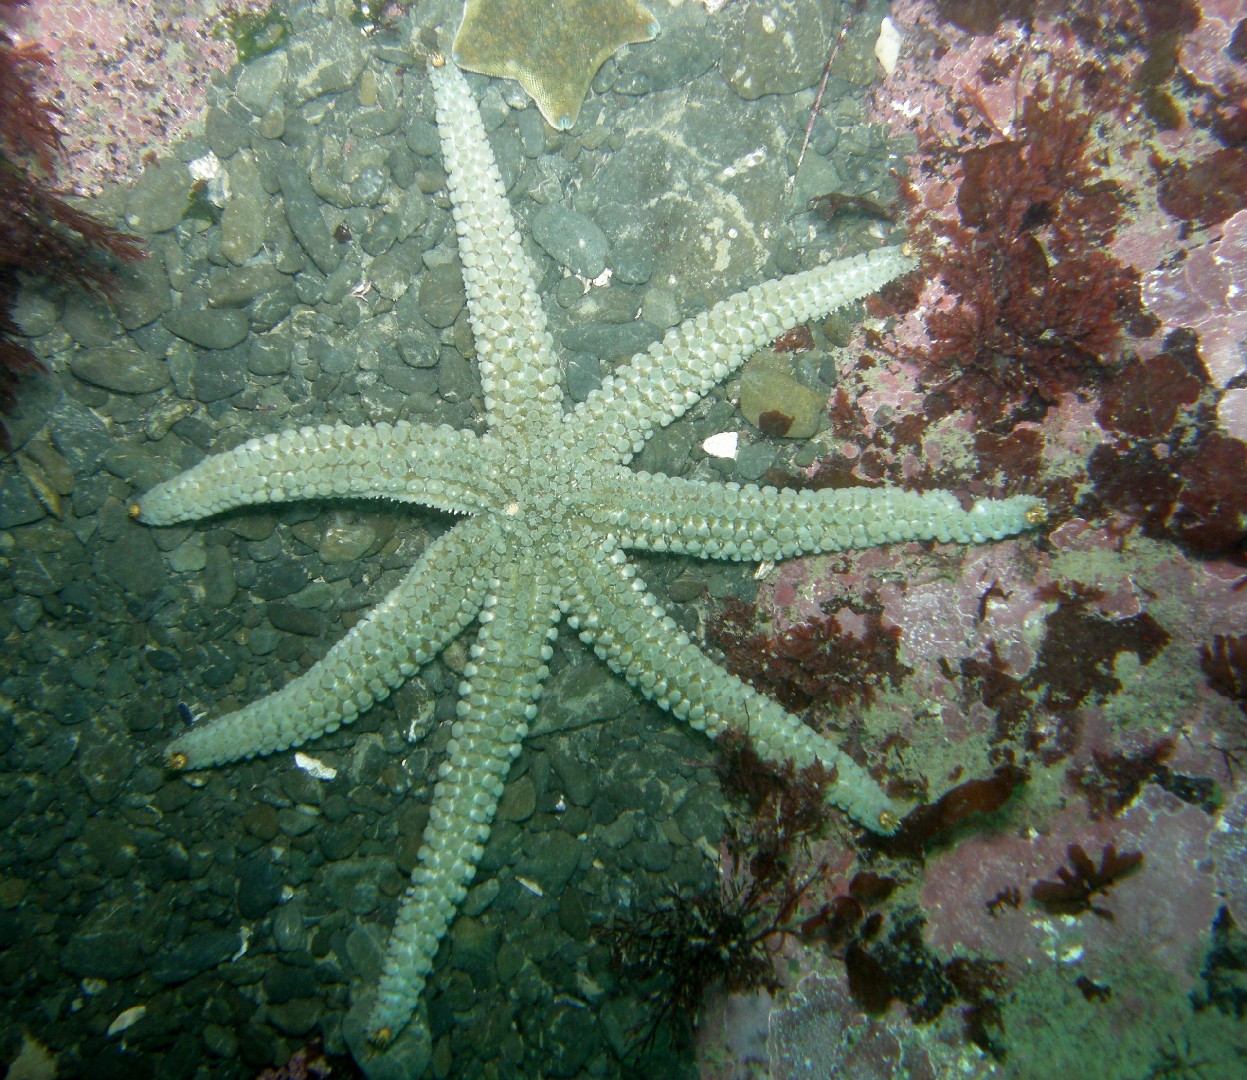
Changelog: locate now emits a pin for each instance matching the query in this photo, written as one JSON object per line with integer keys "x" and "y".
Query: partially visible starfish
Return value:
{"x": 551, "y": 510}
{"x": 552, "y": 50}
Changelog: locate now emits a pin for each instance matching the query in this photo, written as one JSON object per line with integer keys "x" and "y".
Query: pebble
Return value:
{"x": 752, "y": 461}
{"x": 18, "y": 504}
{"x": 441, "y": 294}
{"x": 345, "y": 541}
{"x": 260, "y": 821}
{"x": 258, "y": 82}
{"x": 572, "y": 1036}
{"x": 338, "y": 841}
{"x": 289, "y": 930}
{"x": 208, "y": 328}
{"x": 578, "y": 782}
{"x": 238, "y": 286}
{"x": 323, "y": 63}
{"x": 34, "y": 315}
{"x": 571, "y": 239}
{"x": 80, "y": 435}
{"x": 283, "y": 983}
{"x": 136, "y": 564}
{"x": 123, "y": 370}
{"x": 26, "y": 611}
{"x": 190, "y": 556}
{"x": 201, "y": 952}
{"x": 302, "y": 207}
{"x": 259, "y": 884}
{"x": 159, "y": 197}
{"x": 775, "y": 48}
{"x": 554, "y": 856}
{"x": 279, "y": 579}
{"x": 578, "y": 696}
{"x": 146, "y": 295}
{"x": 685, "y": 49}
{"x": 220, "y": 1041}
{"x": 295, "y": 620}
{"x": 519, "y": 800}
{"x": 89, "y": 322}
{"x": 475, "y": 948}
{"x": 767, "y": 386}
{"x": 106, "y": 944}
{"x": 218, "y": 581}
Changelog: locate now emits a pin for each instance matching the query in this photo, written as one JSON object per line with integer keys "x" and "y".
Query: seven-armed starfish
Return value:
{"x": 551, "y": 508}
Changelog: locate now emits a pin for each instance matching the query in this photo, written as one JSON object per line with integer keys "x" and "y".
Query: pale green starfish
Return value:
{"x": 550, "y": 509}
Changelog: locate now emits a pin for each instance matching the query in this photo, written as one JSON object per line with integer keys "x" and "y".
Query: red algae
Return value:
{"x": 40, "y": 232}
{"x": 1208, "y": 191}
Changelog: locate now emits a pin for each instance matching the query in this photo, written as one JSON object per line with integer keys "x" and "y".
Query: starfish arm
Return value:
{"x": 518, "y": 366}
{"x": 497, "y": 700}
{"x": 440, "y": 595}
{"x": 743, "y": 521}
{"x": 437, "y": 466}
{"x": 658, "y": 386}
{"x": 608, "y": 604}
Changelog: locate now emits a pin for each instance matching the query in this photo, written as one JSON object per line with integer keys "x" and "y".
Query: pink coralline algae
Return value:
{"x": 968, "y": 92}
{"x": 1072, "y": 655}
{"x": 130, "y": 76}
{"x": 1207, "y": 291}
{"x": 1161, "y": 911}
{"x": 822, "y": 1034}
{"x": 1228, "y": 847}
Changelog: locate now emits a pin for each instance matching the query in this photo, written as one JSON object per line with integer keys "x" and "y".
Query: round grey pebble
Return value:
{"x": 295, "y": 620}
{"x": 571, "y": 239}
{"x": 125, "y": 371}
{"x": 208, "y": 328}
{"x": 259, "y": 885}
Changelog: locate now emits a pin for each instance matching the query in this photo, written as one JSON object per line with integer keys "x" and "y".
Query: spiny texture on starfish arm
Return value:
{"x": 551, "y": 509}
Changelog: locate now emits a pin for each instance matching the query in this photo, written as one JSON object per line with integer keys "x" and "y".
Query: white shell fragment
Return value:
{"x": 888, "y": 45}
{"x": 531, "y": 886}
{"x": 128, "y": 1018}
{"x": 722, "y": 445}
{"x": 315, "y": 766}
